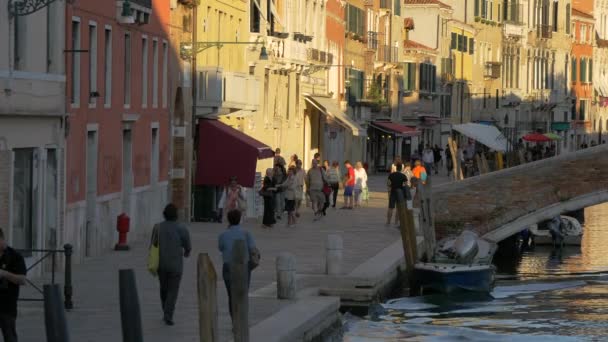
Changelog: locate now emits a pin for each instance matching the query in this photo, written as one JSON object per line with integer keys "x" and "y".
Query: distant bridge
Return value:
{"x": 502, "y": 203}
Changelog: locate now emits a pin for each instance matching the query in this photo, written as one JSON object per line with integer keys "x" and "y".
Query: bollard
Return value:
{"x": 207, "y": 299}
{"x": 286, "y": 276}
{"x": 130, "y": 315}
{"x": 54, "y": 315}
{"x": 333, "y": 256}
{"x": 67, "y": 286}
{"x": 239, "y": 291}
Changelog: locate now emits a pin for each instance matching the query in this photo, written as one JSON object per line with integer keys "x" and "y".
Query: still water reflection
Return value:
{"x": 558, "y": 296}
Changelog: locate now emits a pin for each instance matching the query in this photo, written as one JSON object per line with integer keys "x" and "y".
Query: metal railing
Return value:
{"x": 372, "y": 40}
{"x": 52, "y": 255}
{"x": 387, "y": 53}
{"x": 545, "y": 31}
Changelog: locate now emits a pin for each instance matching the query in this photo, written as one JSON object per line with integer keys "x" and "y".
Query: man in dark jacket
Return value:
{"x": 12, "y": 275}
{"x": 174, "y": 244}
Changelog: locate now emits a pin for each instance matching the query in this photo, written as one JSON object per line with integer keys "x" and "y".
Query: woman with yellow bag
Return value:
{"x": 170, "y": 244}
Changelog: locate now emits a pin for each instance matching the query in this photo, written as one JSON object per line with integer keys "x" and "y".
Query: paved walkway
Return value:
{"x": 96, "y": 314}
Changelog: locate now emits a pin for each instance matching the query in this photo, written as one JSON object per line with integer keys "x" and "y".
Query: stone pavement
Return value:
{"x": 96, "y": 313}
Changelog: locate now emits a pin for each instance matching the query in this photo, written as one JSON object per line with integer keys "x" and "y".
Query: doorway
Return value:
{"x": 23, "y": 200}
{"x": 91, "y": 195}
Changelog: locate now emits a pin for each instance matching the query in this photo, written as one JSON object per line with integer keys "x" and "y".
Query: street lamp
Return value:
{"x": 188, "y": 50}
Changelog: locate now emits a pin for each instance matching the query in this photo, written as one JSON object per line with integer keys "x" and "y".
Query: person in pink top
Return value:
{"x": 349, "y": 185}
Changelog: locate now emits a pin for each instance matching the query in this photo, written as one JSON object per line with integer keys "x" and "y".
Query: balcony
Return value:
{"x": 222, "y": 92}
{"x": 545, "y": 31}
{"x": 133, "y": 11}
{"x": 314, "y": 55}
{"x": 492, "y": 70}
{"x": 388, "y": 54}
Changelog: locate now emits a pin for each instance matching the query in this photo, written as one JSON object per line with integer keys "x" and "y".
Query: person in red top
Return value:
{"x": 349, "y": 185}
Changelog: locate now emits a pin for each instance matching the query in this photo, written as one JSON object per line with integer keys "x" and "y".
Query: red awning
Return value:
{"x": 224, "y": 152}
{"x": 395, "y": 128}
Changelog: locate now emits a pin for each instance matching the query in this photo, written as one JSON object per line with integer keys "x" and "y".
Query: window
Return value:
{"x": 568, "y": 13}
{"x": 427, "y": 81}
{"x": 445, "y": 109}
{"x": 144, "y": 72}
{"x": 356, "y": 78}
{"x": 583, "y": 72}
{"x": 107, "y": 67}
{"x": 574, "y": 66}
{"x": 590, "y": 78}
{"x": 155, "y": 73}
{"x": 154, "y": 157}
{"x": 127, "y": 70}
{"x": 19, "y": 41}
{"x": 165, "y": 73}
{"x": 92, "y": 62}
{"x": 465, "y": 44}
{"x": 555, "y": 16}
{"x": 583, "y": 34}
{"x": 409, "y": 76}
{"x": 355, "y": 20}
{"x": 254, "y": 16}
{"x": 397, "y": 9}
{"x": 583, "y": 110}
{"x": 454, "y": 42}
{"x": 477, "y": 8}
{"x": 75, "y": 91}
{"x": 460, "y": 42}
{"x": 471, "y": 46}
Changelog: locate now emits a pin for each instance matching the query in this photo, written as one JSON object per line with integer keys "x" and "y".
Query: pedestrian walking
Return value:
{"x": 12, "y": 276}
{"x": 398, "y": 191}
{"x": 420, "y": 172}
{"x": 289, "y": 187}
{"x": 326, "y": 168}
{"x": 267, "y": 192}
{"x": 428, "y": 158}
{"x": 360, "y": 183}
{"x": 173, "y": 242}
{"x": 395, "y": 162}
{"x": 300, "y": 178}
{"x": 292, "y": 161}
{"x": 278, "y": 159}
{"x": 349, "y": 185}
{"x": 225, "y": 244}
{"x": 279, "y": 174}
{"x": 233, "y": 197}
{"x": 315, "y": 180}
{"x": 437, "y": 157}
{"x": 449, "y": 163}
{"x": 333, "y": 177}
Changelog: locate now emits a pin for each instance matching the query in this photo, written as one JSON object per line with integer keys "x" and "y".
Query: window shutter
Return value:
{"x": 471, "y": 46}
{"x": 412, "y": 73}
{"x": 574, "y": 66}
{"x": 477, "y": 8}
{"x": 454, "y": 41}
{"x": 421, "y": 78}
{"x": 590, "y": 70}
{"x": 434, "y": 78}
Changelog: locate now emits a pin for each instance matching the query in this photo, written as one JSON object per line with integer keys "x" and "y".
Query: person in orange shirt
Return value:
{"x": 420, "y": 172}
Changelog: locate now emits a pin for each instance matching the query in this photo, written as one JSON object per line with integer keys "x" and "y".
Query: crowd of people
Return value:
{"x": 284, "y": 190}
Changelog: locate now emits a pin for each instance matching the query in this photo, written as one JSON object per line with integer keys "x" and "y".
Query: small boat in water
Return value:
{"x": 569, "y": 229}
{"x": 462, "y": 263}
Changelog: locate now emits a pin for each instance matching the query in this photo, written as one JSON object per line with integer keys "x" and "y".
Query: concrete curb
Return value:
{"x": 303, "y": 320}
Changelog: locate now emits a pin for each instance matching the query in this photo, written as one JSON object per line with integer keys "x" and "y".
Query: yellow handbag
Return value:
{"x": 154, "y": 252}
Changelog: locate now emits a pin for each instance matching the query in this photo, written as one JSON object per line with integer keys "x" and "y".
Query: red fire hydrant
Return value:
{"x": 122, "y": 226}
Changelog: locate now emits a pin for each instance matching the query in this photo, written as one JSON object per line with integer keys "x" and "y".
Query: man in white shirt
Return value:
{"x": 429, "y": 159}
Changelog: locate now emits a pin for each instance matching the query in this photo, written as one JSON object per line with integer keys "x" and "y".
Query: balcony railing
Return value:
{"x": 492, "y": 69}
{"x": 316, "y": 55}
{"x": 223, "y": 92}
{"x": 386, "y": 53}
{"x": 545, "y": 31}
{"x": 372, "y": 40}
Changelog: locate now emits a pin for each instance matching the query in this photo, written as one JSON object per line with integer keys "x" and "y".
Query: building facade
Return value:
{"x": 32, "y": 127}
{"x": 582, "y": 76}
{"x": 118, "y": 146}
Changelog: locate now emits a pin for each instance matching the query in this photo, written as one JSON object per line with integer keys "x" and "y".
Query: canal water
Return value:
{"x": 540, "y": 295}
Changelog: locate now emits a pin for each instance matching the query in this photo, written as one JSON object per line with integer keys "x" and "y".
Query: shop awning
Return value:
{"x": 395, "y": 128}
{"x": 224, "y": 152}
{"x": 560, "y": 126}
{"x": 489, "y": 136}
{"x": 331, "y": 108}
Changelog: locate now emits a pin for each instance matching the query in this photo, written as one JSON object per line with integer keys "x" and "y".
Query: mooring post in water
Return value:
{"x": 408, "y": 238}
{"x": 427, "y": 223}
{"x": 239, "y": 289}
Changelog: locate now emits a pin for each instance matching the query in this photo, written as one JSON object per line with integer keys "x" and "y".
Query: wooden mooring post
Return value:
{"x": 207, "y": 299}
{"x": 408, "y": 238}
{"x": 455, "y": 159}
{"x": 239, "y": 289}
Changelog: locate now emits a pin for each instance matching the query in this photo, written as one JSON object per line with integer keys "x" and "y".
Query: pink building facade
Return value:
{"x": 118, "y": 102}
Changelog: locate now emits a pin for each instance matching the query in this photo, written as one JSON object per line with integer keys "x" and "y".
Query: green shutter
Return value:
{"x": 583, "y": 73}
{"x": 412, "y": 73}
{"x": 471, "y": 46}
{"x": 590, "y": 70}
{"x": 454, "y": 43}
{"x": 477, "y": 8}
{"x": 574, "y": 66}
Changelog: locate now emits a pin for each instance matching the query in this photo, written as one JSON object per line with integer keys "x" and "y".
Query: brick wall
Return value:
{"x": 493, "y": 200}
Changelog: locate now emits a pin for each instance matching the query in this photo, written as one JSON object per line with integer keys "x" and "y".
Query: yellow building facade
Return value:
{"x": 462, "y": 52}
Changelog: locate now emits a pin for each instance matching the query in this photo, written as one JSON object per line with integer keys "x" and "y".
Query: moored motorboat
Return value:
{"x": 462, "y": 263}
{"x": 570, "y": 230}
